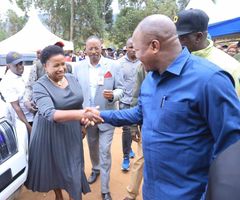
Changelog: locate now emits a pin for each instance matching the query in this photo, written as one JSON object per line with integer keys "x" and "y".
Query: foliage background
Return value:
{"x": 76, "y": 20}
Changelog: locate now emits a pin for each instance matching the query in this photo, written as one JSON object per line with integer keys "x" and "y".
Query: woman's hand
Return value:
{"x": 91, "y": 116}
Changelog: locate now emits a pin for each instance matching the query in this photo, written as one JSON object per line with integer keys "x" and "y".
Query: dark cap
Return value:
{"x": 191, "y": 21}
{"x": 14, "y": 58}
{"x": 111, "y": 49}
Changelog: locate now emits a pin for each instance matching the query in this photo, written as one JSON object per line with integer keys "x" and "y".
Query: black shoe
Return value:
{"x": 93, "y": 177}
{"x": 106, "y": 196}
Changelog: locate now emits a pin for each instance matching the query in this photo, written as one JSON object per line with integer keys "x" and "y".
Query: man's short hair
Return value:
{"x": 191, "y": 21}
{"x": 93, "y": 37}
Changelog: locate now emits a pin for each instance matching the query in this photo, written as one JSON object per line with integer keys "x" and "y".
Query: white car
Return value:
{"x": 13, "y": 153}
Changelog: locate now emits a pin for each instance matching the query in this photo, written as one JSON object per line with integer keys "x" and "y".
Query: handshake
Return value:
{"x": 91, "y": 116}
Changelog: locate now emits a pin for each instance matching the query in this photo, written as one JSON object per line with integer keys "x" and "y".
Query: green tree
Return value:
{"x": 88, "y": 22}
{"x": 126, "y": 22}
{"x": 11, "y": 24}
{"x": 75, "y": 22}
{"x": 24, "y": 5}
{"x": 132, "y": 3}
{"x": 78, "y": 19}
{"x": 182, "y": 4}
{"x": 3, "y": 32}
{"x": 14, "y": 23}
{"x": 108, "y": 14}
{"x": 130, "y": 16}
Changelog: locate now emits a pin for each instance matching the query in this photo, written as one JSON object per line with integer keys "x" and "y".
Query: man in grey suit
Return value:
{"x": 101, "y": 82}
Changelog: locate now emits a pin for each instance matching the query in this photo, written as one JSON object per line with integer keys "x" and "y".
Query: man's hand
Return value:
{"x": 108, "y": 94}
{"x": 91, "y": 117}
{"x": 29, "y": 128}
{"x": 135, "y": 133}
{"x": 94, "y": 110}
{"x": 31, "y": 106}
{"x": 84, "y": 132}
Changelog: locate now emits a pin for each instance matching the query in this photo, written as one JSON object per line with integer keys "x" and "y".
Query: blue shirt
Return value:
{"x": 190, "y": 113}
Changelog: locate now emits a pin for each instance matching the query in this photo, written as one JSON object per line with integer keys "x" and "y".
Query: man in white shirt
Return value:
{"x": 12, "y": 88}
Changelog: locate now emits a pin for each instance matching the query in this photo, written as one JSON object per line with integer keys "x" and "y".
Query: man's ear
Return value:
{"x": 199, "y": 36}
{"x": 155, "y": 46}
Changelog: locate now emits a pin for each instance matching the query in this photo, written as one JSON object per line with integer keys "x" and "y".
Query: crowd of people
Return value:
{"x": 171, "y": 89}
{"x": 110, "y": 52}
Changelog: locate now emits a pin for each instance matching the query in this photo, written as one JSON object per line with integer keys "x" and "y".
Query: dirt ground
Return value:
{"x": 118, "y": 181}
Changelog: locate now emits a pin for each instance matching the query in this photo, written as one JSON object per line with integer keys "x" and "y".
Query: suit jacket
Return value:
{"x": 114, "y": 81}
{"x": 224, "y": 175}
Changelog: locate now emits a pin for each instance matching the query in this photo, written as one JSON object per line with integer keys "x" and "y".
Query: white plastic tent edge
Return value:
{"x": 32, "y": 37}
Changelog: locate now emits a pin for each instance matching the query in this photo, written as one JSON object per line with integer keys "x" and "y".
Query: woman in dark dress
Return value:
{"x": 56, "y": 159}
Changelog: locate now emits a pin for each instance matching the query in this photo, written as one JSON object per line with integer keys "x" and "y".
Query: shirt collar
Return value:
{"x": 177, "y": 65}
{"x": 204, "y": 52}
{"x": 100, "y": 63}
{"x": 12, "y": 75}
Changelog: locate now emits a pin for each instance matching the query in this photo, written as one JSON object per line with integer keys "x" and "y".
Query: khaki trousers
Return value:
{"x": 136, "y": 173}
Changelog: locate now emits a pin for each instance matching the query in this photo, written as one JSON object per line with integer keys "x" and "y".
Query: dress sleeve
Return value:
{"x": 43, "y": 101}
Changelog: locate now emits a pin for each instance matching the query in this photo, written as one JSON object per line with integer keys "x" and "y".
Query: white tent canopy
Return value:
{"x": 220, "y": 11}
{"x": 32, "y": 37}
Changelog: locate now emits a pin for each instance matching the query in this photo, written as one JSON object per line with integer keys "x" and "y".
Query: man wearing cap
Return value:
{"x": 192, "y": 27}
{"x": 110, "y": 53}
{"x": 12, "y": 88}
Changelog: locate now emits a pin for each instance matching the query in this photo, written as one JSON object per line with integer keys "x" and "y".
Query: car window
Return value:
{"x": 8, "y": 143}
